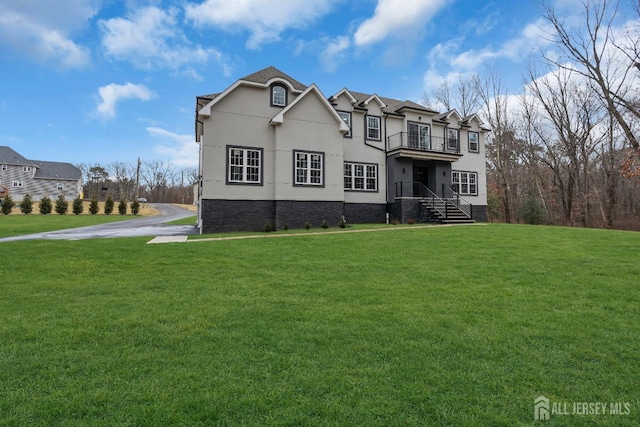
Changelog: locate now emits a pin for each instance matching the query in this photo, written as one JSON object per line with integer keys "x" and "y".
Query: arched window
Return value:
{"x": 278, "y": 96}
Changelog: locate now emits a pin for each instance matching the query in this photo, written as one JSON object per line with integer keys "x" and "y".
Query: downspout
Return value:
{"x": 200, "y": 141}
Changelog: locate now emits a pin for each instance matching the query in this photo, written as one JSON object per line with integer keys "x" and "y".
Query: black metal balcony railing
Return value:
{"x": 421, "y": 142}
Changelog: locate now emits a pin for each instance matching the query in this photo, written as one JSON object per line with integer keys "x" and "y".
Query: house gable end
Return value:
{"x": 347, "y": 94}
{"x": 206, "y": 110}
{"x": 279, "y": 118}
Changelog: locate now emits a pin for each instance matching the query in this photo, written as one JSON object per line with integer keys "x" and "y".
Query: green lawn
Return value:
{"x": 436, "y": 326}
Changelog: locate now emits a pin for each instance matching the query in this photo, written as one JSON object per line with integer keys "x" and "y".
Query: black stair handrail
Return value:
{"x": 430, "y": 197}
{"x": 454, "y": 197}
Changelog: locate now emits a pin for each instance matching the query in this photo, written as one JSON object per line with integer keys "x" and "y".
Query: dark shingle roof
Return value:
{"x": 262, "y": 76}
{"x": 56, "y": 170}
{"x": 10, "y": 157}
{"x": 44, "y": 169}
{"x": 269, "y": 73}
{"x": 392, "y": 105}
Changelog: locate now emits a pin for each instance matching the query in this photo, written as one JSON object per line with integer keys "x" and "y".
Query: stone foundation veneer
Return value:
{"x": 252, "y": 215}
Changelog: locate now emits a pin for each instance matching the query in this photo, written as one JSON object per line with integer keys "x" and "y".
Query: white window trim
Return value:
{"x": 18, "y": 184}
{"x": 60, "y": 186}
{"x": 350, "y": 174}
{"x": 379, "y": 128}
{"x": 26, "y": 169}
{"x": 4, "y": 167}
{"x": 308, "y": 169}
{"x": 245, "y": 167}
{"x": 464, "y": 189}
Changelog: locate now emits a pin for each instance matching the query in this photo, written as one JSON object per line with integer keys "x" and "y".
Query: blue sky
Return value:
{"x": 100, "y": 81}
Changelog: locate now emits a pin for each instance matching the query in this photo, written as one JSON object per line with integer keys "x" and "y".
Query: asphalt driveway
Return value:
{"x": 144, "y": 226}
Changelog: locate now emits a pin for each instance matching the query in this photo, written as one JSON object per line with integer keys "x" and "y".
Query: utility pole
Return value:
{"x": 138, "y": 179}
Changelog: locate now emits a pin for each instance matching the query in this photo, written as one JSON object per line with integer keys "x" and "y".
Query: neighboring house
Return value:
{"x": 38, "y": 178}
{"x": 273, "y": 150}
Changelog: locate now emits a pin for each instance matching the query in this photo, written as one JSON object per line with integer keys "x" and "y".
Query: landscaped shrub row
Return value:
{"x": 45, "y": 206}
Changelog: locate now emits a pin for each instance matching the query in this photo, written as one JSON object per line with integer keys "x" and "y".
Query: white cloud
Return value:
{"x": 150, "y": 37}
{"x": 182, "y": 149}
{"x": 531, "y": 39}
{"x": 42, "y": 29}
{"x": 334, "y": 52}
{"x": 113, "y": 93}
{"x": 397, "y": 17}
{"x": 265, "y": 20}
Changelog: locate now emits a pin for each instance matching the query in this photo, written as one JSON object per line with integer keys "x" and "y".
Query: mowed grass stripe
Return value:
{"x": 435, "y": 326}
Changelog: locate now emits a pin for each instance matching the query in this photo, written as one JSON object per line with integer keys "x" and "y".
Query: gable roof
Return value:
{"x": 57, "y": 170}
{"x": 279, "y": 118}
{"x": 390, "y": 105}
{"x": 447, "y": 115}
{"x": 44, "y": 169}
{"x": 267, "y": 74}
{"x": 9, "y": 157}
{"x": 262, "y": 78}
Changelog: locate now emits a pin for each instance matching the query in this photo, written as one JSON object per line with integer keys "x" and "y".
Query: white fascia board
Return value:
{"x": 206, "y": 110}
{"x": 280, "y": 80}
{"x": 376, "y": 98}
{"x": 279, "y": 118}
{"x": 452, "y": 113}
{"x": 347, "y": 93}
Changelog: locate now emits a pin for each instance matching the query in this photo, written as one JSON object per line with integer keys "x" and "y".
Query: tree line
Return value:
{"x": 155, "y": 181}
{"x": 566, "y": 150}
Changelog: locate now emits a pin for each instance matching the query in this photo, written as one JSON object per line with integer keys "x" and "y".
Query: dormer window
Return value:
{"x": 278, "y": 96}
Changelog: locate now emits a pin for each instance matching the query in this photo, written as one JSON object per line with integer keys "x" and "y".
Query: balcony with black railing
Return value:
{"x": 419, "y": 145}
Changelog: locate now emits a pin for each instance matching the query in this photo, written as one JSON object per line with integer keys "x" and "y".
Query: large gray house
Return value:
{"x": 273, "y": 150}
{"x": 37, "y": 178}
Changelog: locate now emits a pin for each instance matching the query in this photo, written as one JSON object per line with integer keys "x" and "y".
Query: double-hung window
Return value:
{"x": 360, "y": 176}
{"x": 26, "y": 169}
{"x": 308, "y": 168}
{"x": 17, "y": 183}
{"x": 60, "y": 186}
{"x": 465, "y": 183}
{"x": 346, "y": 116}
{"x": 474, "y": 144}
{"x": 373, "y": 127}
{"x": 244, "y": 165}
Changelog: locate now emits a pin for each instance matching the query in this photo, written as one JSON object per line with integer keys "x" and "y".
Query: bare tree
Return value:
{"x": 500, "y": 143}
{"x": 154, "y": 176}
{"x": 462, "y": 96}
{"x": 594, "y": 52}
{"x": 123, "y": 175}
{"x": 570, "y": 113}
